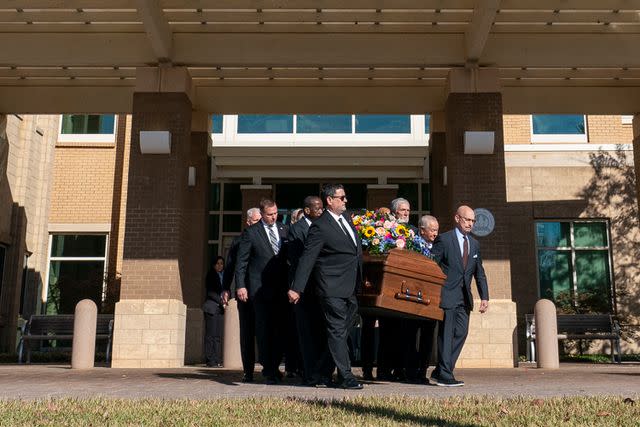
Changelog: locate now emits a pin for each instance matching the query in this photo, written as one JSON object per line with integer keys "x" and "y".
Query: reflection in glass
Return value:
{"x": 216, "y": 123}
{"x": 589, "y": 234}
{"x": 326, "y": 123}
{"x": 558, "y": 124}
{"x": 265, "y": 123}
{"x": 592, "y": 273}
{"x": 87, "y": 124}
{"x": 72, "y": 281}
{"x": 427, "y": 123}
{"x": 383, "y": 123}
{"x": 552, "y": 234}
{"x": 78, "y": 245}
{"x": 554, "y": 268}
{"x": 214, "y": 196}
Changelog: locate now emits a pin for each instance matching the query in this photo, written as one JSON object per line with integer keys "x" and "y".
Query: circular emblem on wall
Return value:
{"x": 484, "y": 222}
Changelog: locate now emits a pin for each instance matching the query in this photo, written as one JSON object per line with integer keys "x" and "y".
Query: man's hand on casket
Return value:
{"x": 294, "y": 297}
{"x": 484, "y": 306}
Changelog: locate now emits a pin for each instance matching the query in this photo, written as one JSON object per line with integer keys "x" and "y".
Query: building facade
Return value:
{"x": 560, "y": 187}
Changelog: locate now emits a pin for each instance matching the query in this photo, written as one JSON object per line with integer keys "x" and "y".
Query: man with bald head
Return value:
{"x": 458, "y": 254}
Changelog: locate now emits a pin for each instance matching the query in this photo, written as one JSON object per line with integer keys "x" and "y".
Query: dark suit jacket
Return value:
{"x": 230, "y": 264}
{"x": 446, "y": 252}
{"x": 213, "y": 303}
{"x": 258, "y": 268}
{"x": 330, "y": 258}
{"x": 297, "y": 237}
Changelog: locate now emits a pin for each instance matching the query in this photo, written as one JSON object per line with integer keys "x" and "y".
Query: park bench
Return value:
{"x": 579, "y": 327}
{"x": 42, "y": 328}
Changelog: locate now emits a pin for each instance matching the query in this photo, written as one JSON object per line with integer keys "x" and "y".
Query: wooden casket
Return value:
{"x": 401, "y": 284}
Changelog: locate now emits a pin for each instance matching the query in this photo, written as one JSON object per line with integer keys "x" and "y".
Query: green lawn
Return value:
{"x": 372, "y": 411}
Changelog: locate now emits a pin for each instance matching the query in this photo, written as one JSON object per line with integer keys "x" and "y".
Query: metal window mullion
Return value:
{"x": 574, "y": 274}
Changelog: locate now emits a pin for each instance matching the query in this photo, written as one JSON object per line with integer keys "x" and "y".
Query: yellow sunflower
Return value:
{"x": 369, "y": 232}
{"x": 357, "y": 220}
{"x": 402, "y": 231}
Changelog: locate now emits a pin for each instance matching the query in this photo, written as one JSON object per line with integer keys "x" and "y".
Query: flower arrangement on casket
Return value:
{"x": 380, "y": 232}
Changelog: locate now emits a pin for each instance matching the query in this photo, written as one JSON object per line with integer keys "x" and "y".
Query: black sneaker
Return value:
{"x": 351, "y": 384}
{"x": 449, "y": 382}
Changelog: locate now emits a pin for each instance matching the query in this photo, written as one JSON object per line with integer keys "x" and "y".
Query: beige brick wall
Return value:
{"x": 601, "y": 129}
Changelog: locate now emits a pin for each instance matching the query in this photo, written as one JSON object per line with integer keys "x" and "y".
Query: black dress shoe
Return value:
{"x": 449, "y": 382}
{"x": 367, "y": 375}
{"x": 351, "y": 384}
{"x": 247, "y": 378}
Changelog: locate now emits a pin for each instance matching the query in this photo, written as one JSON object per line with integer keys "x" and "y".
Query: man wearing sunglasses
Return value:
{"x": 333, "y": 258}
{"x": 458, "y": 254}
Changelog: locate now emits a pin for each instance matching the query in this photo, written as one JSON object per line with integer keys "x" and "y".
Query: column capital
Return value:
{"x": 164, "y": 80}
{"x": 473, "y": 80}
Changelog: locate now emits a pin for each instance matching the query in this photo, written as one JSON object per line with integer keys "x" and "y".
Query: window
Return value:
{"x": 383, "y": 123}
{"x": 225, "y": 217}
{"x": 76, "y": 271}
{"x": 87, "y": 128}
{"x": 265, "y": 123}
{"x": 323, "y": 123}
{"x": 216, "y": 123}
{"x": 558, "y": 128}
{"x": 574, "y": 267}
{"x": 427, "y": 123}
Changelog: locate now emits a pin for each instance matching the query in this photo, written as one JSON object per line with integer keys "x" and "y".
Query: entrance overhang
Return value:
{"x": 328, "y": 56}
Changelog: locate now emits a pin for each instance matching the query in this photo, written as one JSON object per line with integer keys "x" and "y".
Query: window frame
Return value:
{"x": 559, "y": 137}
{"x": 572, "y": 249}
{"x": 105, "y": 259}
{"x": 99, "y": 138}
{"x": 230, "y": 136}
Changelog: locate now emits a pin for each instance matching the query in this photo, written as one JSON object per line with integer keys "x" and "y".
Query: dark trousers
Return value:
{"x": 270, "y": 328}
{"x": 391, "y": 348}
{"x": 367, "y": 343}
{"x": 312, "y": 336}
{"x": 418, "y": 345}
{"x": 292, "y": 347}
{"x": 452, "y": 334}
{"x": 247, "y": 336}
{"x": 339, "y": 315}
{"x": 214, "y": 324}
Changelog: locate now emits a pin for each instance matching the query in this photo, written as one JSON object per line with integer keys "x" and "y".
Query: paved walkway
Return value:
{"x": 47, "y": 381}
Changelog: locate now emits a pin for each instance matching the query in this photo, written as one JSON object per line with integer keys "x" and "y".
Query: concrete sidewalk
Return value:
{"x": 56, "y": 381}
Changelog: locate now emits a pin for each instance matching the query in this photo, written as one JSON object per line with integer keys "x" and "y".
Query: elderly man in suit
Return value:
{"x": 246, "y": 315}
{"x": 458, "y": 254}
{"x": 308, "y": 316}
{"x": 261, "y": 276}
{"x": 333, "y": 257}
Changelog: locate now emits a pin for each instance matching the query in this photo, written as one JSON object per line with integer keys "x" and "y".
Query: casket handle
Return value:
{"x": 405, "y": 294}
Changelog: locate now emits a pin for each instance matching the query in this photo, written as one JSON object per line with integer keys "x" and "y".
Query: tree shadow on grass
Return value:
{"x": 382, "y": 412}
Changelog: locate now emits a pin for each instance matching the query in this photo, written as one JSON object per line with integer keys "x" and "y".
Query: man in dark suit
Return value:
{"x": 458, "y": 254}
{"x": 246, "y": 315}
{"x": 261, "y": 276}
{"x": 308, "y": 315}
{"x": 333, "y": 257}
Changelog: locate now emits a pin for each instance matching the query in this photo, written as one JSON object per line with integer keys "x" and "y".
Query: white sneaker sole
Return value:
{"x": 449, "y": 385}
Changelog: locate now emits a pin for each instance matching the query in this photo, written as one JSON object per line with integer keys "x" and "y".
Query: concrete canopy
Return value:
{"x": 322, "y": 56}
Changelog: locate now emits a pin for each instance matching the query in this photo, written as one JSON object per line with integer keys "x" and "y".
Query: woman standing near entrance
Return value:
{"x": 213, "y": 309}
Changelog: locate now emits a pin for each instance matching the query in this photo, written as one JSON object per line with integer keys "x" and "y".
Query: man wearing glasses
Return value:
{"x": 458, "y": 254}
{"x": 333, "y": 258}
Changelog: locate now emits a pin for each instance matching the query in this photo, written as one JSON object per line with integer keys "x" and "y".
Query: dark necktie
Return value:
{"x": 273, "y": 240}
{"x": 465, "y": 251}
{"x": 344, "y": 229}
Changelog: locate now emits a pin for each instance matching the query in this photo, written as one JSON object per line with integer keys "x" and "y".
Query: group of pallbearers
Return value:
{"x": 296, "y": 292}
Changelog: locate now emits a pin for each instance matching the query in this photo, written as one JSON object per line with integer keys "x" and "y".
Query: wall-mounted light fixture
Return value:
{"x": 478, "y": 142}
{"x": 155, "y": 142}
{"x": 191, "y": 180}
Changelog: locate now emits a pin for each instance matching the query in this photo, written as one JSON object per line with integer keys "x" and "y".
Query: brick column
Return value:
{"x": 381, "y": 195}
{"x": 164, "y": 239}
{"x": 475, "y": 104}
{"x": 636, "y": 154}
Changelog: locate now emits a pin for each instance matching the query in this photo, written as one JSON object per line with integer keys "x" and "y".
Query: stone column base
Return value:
{"x": 149, "y": 333}
{"x": 492, "y": 341}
